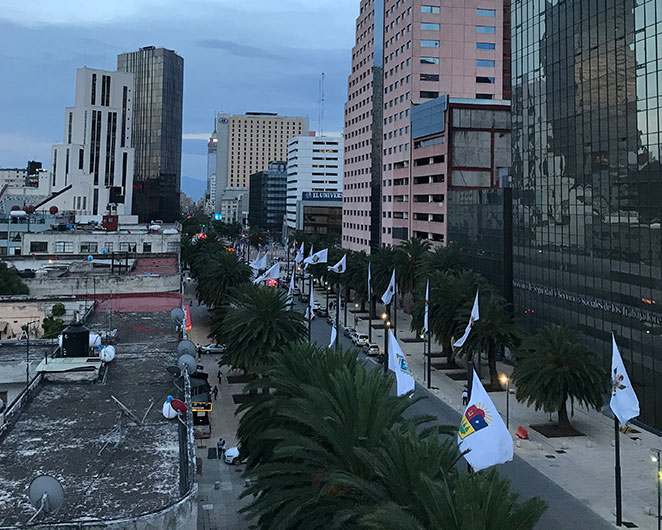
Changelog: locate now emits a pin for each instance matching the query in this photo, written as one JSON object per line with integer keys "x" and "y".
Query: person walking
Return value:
{"x": 220, "y": 447}
{"x": 465, "y": 397}
{"x": 215, "y": 392}
{"x": 220, "y": 377}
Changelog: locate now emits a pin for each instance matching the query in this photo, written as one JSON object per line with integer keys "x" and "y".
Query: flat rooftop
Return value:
{"x": 63, "y": 429}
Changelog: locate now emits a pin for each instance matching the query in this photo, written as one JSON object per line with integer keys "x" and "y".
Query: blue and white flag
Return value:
{"x": 482, "y": 431}
{"x": 299, "y": 257}
{"x": 390, "y": 290}
{"x": 624, "y": 403}
{"x": 318, "y": 257}
{"x": 426, "y": 322}
{"x": 339, "y": 267}
{"x": 404, "y": 380}
{"x": 475, "y": 315}
{"x": 369, "y": 284}
{"x": 334, "y": 336}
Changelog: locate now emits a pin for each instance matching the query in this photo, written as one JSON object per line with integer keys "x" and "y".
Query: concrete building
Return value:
{"x": 587, "y": 180}
{"x": 267, "y": 197}
{"x": 320, "y": 213}
{"x": 314, "y": 164}
{"x": 210, "y": 194}
{"x": 92, "y": 170}
{"x": 418, "y": 51}
{"x": 13, "y": 229}
{"x": 157, "y": 130}
{"x": 233, "y": 205}
{"x": 246, "y": 145}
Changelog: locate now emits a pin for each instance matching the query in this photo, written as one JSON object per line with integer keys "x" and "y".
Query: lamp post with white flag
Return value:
{"x": 625, "y": 406}
{"x": 338, "y": 268}
{"x": 370, "y": 308}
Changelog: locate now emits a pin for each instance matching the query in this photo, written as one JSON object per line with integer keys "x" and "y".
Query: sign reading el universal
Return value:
{"x": 321, "y": 195}
{"x": 594, "y": 303}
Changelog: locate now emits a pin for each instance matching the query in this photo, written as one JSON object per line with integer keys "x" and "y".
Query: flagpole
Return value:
{"x": 395, "y": 310}
{"x": 617, "y": 470}
{"x": 386, "y": 343}
{"x": 429, "y": 367}
{"x": 470, "y": 382}
{"x": 424, "y": 361}
{"x": 337, "y": 322}
{"x": 346, "y": 300}
{"x": 310, "y": 305}
{"x": 370, "y": 308}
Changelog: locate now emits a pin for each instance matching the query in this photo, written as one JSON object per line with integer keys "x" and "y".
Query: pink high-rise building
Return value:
{"x": 408, "y": 53}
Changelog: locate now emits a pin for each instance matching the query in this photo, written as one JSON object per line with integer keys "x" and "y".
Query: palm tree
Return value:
{"x": 216, "y": 273}
{"x": 410, "y": 258}
{"x": 255, "y": 236}
{"x": 553, "y": 366}
{"x": 357, "y": 275}
{"x": 495, "y": 330}
{"x": 257, "y": 325}
{"x": 444, "y": 259}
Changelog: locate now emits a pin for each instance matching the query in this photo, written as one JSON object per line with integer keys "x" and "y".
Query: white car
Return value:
{"x": 316, "y": 306}
{"x": 371, "y": 349}
{"x": 361, "y": 340}
{"x": 212, "y": 348}
{"x": 231, "y": 456}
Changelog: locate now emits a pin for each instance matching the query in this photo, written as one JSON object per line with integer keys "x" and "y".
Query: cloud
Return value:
{"x": 240, "y": 50}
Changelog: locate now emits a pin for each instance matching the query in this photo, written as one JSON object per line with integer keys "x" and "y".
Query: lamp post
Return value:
{"x": 505, "y": 380}
{"x": 356, "y": 307}
{"x": 326, "y": 285}
{"x": 386, "y": 325}
{"x": 656, "y": 458}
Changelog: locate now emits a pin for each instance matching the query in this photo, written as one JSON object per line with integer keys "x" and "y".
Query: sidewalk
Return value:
{"x": 583, "y": 466}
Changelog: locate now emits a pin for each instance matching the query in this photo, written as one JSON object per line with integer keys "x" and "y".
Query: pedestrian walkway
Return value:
{"x": 583, "y": 466}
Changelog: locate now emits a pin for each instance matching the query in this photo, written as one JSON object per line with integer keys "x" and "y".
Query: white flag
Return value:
{"x": 404, "y": 381}
{"x": 339, "y": 267}
{"x": 334, "y": 335}
{"x": 482, "y": 431}
{"x": 291, "y": 289}
{"x": 624, "y": 403}
{"x": 272, "y": 274}
{"x": 318, "y": 257}
{"x": 312, "y": 303}
{"x": 369, "y": 284}
{"x": 299, "y": 256}
{"x": 475, "y": 315}
{"x": 390, "y": 290}
{"x": 426, "y": 322}
{"x": 260, "y": 262}
{"x": 255, "y": 263}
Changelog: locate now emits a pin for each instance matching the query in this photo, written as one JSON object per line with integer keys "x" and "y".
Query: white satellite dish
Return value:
{"x": 107, "y": 354}
{"x": 95, "y": 340}
{"x": 186, "y": 347}
{"x": 177, "y": 315}
{"x": 187, "y": 362}
{"x": 46, "y": 494}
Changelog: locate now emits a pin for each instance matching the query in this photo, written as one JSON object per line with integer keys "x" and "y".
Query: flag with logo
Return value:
{"x": 334, "y": 336}
{"x": 482, "y": 431}
{"x": 390, "y": 290}
{"x": 272, "y": 274}
{"x": 318, "y": 257}
{"x": 397, "y": 363}
{"x": 299, "y": 257}
{"x": 369, "y": 284}
{"x": 624, "y": 403}
{"x": 426, "y": 322}
{"x": 339, "y": 267}
{"x": 475, "y": 315}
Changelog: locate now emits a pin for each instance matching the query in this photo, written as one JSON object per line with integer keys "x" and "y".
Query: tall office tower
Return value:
{"x": 157, "y": 130}
{"x": 314, "y": 164}
{"x": 92, "y": 170}
{"x": 587, "y": 179}
{"x": 246, "y": 145}
{"x": 429, "y": 50}
{"x": 210, "y": 195}
{"x": 267, "y": 197}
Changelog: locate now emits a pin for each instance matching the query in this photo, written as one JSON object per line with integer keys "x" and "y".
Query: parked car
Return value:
{"x": 371, "y": 349}
{"x": 348, "y": 331}
{"x": 353, "y": 335}
{"x": 232, "y": 456}
{"x": 322, "y": 312}
{"x": 361, "y": 340}
{"x": 316, "y": 305}
{"x": 212, "y": 348}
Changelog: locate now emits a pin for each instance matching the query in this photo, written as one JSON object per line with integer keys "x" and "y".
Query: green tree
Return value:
{"x": 410, "y": 258}
{"x": 52, "y": 325}
{"x": 256, "y": 326}
{"x": 216, "y": 274}
{"x": 256, "y": 236}
{"x": 58, "y": 310}
{"x": 553, "y": 366}
{"x": 444, "y": 259}
{"x": 11, "y": 282}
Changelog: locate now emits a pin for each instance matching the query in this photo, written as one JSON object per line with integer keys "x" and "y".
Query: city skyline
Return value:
{"x": 56, "y": 42}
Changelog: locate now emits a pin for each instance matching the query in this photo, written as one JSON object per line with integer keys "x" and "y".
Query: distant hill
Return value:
{"x": 194, "y": 188}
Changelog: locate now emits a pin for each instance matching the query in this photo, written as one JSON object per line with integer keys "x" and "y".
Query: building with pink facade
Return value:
{"x": 395, "y": 186}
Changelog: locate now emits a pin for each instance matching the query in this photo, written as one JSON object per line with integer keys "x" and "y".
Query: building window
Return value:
{"x": 481, "y": 79}
{"x": 485, "y": 29}
{"x": 173, "y": 246}
{"x": 88, "y": 246}
{"x": 484, "y": 96}
{"x": 147, "y": 247}
{"x": 38, "y": 246}
{"x": 430, "y": 26}
{"x": 64, "y": 247}
{"x": 489, "y": 63}
{"x": 428, "y": 94}
{"x": 429, "y": 9}
{"x": 94, "y": 89}
{"x": 429, "y": 77}
{"x": 109, "y": 246}
{"x": 485, "y": 46}
{"x": 485, "y": 12}
{"x": 429, "y": 60}
{"x": 429, "y": 44}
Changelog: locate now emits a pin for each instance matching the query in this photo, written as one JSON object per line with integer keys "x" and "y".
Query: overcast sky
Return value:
{"x": 239, "y": 56}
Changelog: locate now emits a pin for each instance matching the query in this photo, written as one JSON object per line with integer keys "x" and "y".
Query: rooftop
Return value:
{"x": 63, "y": 430}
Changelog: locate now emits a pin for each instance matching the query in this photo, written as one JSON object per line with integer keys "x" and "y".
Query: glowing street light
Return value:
{"x": 505, "y": 381}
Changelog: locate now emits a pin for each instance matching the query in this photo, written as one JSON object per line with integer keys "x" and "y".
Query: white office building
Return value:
{"x": 92, "y": 170}
{"x": 314, "y": 164}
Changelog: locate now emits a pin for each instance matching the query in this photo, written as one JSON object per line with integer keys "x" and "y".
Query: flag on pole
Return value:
{"x": 482, "y": 431}
{"x": 426, "y": 322}
{"x": 339, "y": 267}
{"x": 369, "y": 284}
{"x": 334, "y": 336}
{"x": 291, "y": 289}
{"x": 312, "y": 303}
{"x": 260, "y": 262}
{"x": 299, "y": 257}
{"x": 390, "y": 290}
{"x": 318, "y": 257}
{"x": 255, "y": 263}
{"x": 404, "y": 380}
{"x": 624, "y": 403}
{"x": 475, "y": 315}
{"x": 272, "y": 274}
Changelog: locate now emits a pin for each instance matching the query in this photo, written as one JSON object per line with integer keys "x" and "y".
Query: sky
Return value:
{"x": 239, "y": 56}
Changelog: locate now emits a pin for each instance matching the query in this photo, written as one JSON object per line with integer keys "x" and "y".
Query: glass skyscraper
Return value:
{"x": 587, "y": 180}
{"x": 157, "y": 130}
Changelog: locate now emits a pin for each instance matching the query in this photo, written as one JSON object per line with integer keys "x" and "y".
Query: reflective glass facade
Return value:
{"x": 587, "y": 180}
{"x": 267, "y": 200}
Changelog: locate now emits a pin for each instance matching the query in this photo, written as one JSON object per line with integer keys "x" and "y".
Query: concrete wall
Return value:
{"x": 19, "y": 312}
{"x": 101, "y": 284}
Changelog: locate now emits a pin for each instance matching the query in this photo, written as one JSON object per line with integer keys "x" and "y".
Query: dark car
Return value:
{"x": 322, "y": 312}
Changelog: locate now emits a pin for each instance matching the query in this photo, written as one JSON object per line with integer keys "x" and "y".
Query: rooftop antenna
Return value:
{"x": 125, "y": 412}
{"x": 46, "y": 494}
{"x": 321, "y": 107}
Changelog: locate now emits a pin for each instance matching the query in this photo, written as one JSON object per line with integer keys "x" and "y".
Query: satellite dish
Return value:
{"x": 90, "y": 257}
{"x": 178, "y": 405}
{"x": 177, "y": 315}
{"x": 168, "y": 411}
{"x": 187, "y": 362}
{"x": 95, "y": 340}
{"x": 107, "y": 354}
{"x": 104, "y": 250}
{"x": 186, "y": 347}
{"x": 46, "y": 494}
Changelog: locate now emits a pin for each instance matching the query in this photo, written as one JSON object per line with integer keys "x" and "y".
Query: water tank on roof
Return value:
{"x": 76, "y": 340}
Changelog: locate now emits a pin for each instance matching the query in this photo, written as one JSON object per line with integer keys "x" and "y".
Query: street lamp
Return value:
{"x": 356, "y": 307}
{"x": 387, "y": 323}
{"x": 656, "y": 458}
{"x": 505, "y": 381}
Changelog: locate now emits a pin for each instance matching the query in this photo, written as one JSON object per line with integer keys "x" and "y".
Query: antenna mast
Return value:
{"x": 321, "y": 106}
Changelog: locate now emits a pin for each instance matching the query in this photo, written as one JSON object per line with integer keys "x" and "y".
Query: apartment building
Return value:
{"x": 429, "y": 49}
